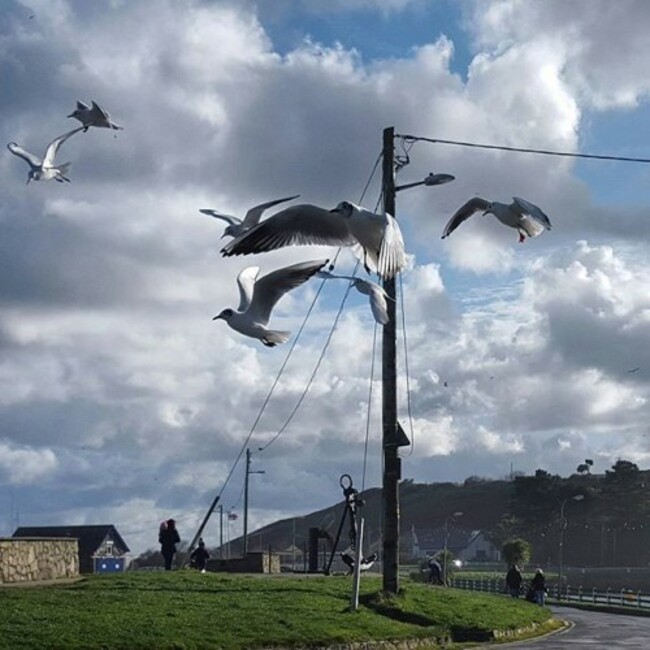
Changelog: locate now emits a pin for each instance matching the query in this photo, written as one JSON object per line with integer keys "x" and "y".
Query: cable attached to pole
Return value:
{"x": 543, "y": 152}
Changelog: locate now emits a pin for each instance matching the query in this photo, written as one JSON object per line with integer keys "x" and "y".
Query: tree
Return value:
{"x": 585, "y": 468}
{"x": 516, "y": 551}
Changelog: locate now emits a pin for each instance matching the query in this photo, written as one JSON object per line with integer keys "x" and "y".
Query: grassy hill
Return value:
{"x": 187, "y": 609}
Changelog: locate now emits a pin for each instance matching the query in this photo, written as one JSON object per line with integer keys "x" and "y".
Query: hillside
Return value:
{"x": 607, "y": 525}
{"x": 483, "y": 505}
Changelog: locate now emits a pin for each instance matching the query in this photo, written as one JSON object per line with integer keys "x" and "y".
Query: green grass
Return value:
{"x": 191, "y": 610}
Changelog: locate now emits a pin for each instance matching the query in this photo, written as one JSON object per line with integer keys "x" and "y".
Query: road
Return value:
{"x": 594, "y": 630}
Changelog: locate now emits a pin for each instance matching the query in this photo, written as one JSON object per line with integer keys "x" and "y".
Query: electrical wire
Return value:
{"x": 370, "y": 387}
{"x": 293, "y": 345}
{"x": 313, "y": 374}
{"x": 544, "y": 152}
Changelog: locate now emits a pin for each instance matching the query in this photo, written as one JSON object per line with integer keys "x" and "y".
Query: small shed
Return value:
{"x": 101, "y": 547}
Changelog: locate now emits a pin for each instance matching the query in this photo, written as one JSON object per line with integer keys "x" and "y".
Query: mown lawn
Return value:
{"x": 186, "y": 609}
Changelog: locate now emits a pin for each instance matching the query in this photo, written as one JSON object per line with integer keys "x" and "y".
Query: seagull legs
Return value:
{"x": 522, "y": 238}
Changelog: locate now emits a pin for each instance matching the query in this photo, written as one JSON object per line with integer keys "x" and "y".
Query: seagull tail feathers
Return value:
{"x": 275, "y": 337}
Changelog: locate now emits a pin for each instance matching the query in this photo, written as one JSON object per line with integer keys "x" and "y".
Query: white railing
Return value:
{"x": 622, "y": 597}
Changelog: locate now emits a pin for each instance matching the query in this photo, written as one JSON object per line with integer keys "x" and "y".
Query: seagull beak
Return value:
{"x": 71, "y": 115}
{"x": 217, "y": 317}
{"x": 29, "y": 178}
{"x": 223, "y": 235}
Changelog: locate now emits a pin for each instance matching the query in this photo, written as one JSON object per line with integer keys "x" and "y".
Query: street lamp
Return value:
{"x": 431, "y": 179}
{"x": 577, "y": 497}
{"x": 248, "y": 472}
{"x": 390, "y": 438}
{"x": 444, "y": 557}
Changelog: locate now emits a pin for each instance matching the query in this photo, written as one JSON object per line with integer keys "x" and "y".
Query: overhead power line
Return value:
{"x": 543, "y": 152}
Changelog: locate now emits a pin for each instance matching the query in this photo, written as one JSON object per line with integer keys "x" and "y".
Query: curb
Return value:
{"x": 567, "y": 626}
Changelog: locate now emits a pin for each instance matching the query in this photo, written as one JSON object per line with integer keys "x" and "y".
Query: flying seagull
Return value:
{"x": 237, "y": 226}
{"x": 258, "y": 297}
{"x": 526, "y": 217}
{"x": 377, "y": 295}
{"x": 376, "y": 238}
{"x": 94, "y": 115}
{"x": 44, "y": 170}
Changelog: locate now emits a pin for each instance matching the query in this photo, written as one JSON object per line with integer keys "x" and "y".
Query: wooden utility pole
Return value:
{"x": 392, "y": 469}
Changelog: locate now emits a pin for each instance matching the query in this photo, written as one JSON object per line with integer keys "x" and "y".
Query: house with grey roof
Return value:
{"x": 101, "y": 547}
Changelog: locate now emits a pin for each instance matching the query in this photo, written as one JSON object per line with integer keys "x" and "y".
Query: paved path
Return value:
{"x": 594, "y": 630}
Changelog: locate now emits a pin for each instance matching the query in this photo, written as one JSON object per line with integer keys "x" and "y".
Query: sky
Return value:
{"x": 123, "y": 402}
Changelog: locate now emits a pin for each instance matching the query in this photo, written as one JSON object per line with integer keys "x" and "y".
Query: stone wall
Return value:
{"x": 24, "y": 559}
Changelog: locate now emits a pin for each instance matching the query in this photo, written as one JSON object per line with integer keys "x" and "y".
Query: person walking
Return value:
{"x": 538, "y": 586}
{"x": 168, "y": 537}
{"x": 435, "y": 572}
{"x": 513, "y": 581}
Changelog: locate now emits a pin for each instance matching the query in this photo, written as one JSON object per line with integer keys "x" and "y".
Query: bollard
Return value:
{"x": 593, "y": 594}
{"x": 580, "y": 593}
{"x": 609, "y": 594}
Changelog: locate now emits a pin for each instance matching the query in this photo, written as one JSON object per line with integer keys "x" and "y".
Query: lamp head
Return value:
{"x": 578, "y": 497}
{"x": 438, "y": 179}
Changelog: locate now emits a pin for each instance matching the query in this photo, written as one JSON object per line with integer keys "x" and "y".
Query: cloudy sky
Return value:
{"x": 122, "y": 402}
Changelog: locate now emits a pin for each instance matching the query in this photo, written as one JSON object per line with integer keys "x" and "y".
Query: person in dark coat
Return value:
{"x": 538, "y": 587}
{"x": 513, "y": 581}
{"x": 168, "y": 537}
{"x": 435, "y": 572}
{"x": 200, "y": 556}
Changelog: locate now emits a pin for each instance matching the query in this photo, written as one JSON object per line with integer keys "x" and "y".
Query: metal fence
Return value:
{"x": 623, "y": 597}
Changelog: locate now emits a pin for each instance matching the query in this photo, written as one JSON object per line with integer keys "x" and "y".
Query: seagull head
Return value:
{"x": 75, "y": 113}
{"x": 228, "y": 232}
{"x": 34, "y": 175}
{"x": 226, "y": 315}
{"x": 345, "y": 209}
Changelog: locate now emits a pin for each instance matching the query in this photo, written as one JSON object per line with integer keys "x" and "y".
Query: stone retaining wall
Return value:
{"x": 252, "y": 563}
{"x": 24, "y": 559}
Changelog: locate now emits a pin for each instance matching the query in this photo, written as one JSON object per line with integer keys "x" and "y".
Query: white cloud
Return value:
{"x": 24, "y": 466}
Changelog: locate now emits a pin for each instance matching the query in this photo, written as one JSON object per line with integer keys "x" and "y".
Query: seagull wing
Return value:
{"x": 100, "y": 117}
{"x": 82, "y": 106}
{"x": 297, "y": 225}
{"x": 463, "y": 213}
{"x": 270, "y": 288}
{"x": 53, "y": 147}
{"x": 326, "y": 275}
{"x": 377, "y": 300}
{"x": 246, "y": 282}
{"x": 29, "y": 158}
{"x": 392, "y": 256}
{"x": 532, "y": 210}
{"x": 99, "y": 112}
{"x": 233, "y": 221}
{"x": 254, "y": 214}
